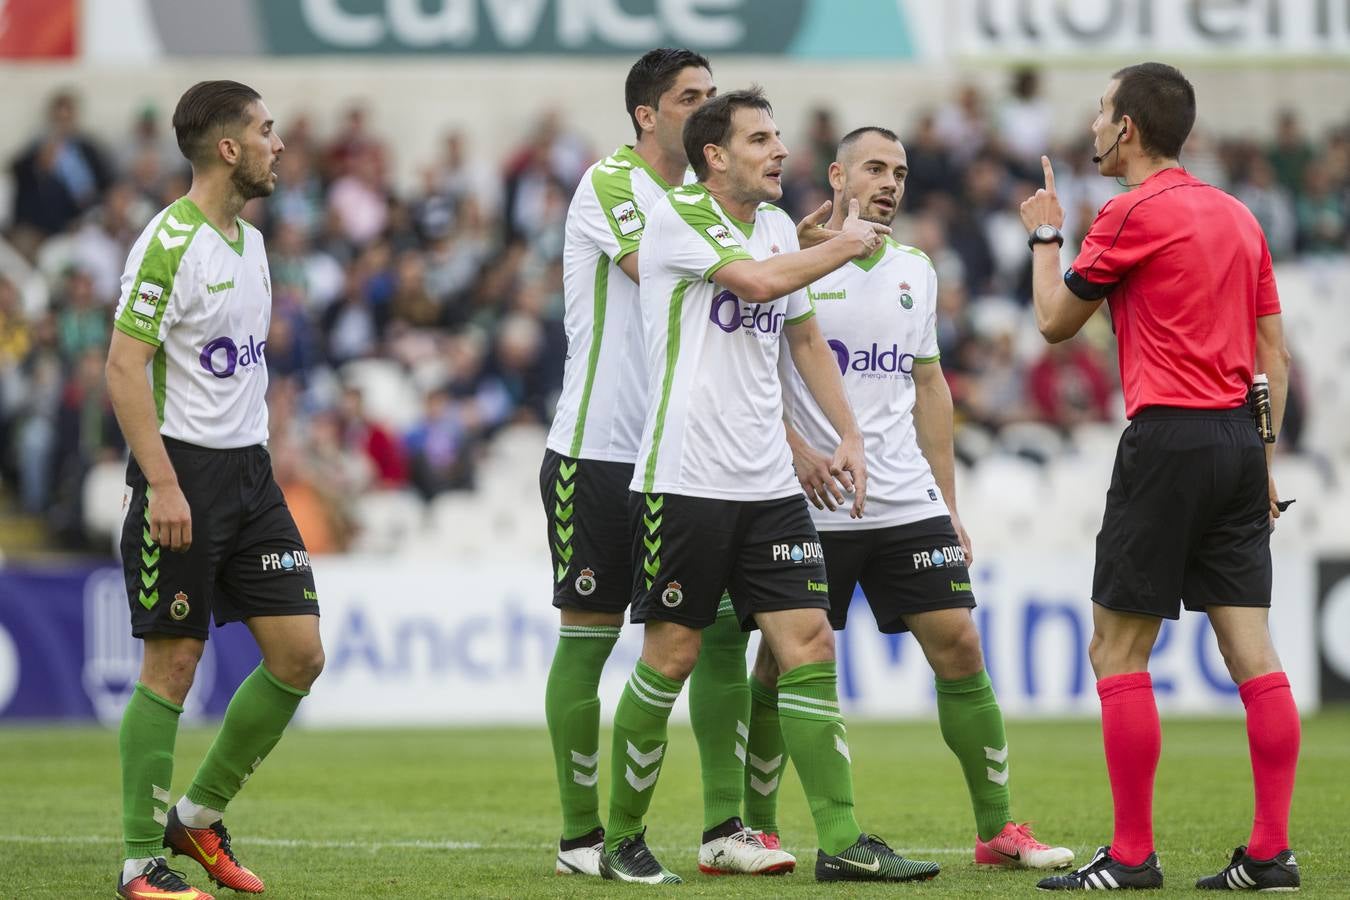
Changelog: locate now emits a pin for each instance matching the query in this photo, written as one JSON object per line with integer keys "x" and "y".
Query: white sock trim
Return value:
{"x": 194, "y": 815}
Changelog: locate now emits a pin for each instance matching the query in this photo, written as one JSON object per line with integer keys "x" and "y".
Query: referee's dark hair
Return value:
{"x": 711, "y": 123}
{"x": 653, "y": 74}
{"x": 1159, "y": 99}
{"x": 204, "y": 110}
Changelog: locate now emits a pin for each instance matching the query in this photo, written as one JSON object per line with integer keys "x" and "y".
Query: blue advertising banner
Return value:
{"x": 66, "y": 650}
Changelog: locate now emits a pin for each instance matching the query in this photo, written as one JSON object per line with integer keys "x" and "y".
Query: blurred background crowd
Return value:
{"x": 409, "y": 327}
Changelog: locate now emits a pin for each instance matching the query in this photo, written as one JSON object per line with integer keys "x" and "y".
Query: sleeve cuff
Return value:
{"x": 797, "y": 320}
{"x": 1083, "y": 289}
{"x": 928, "y": 359}
{"x": 730, "y": 258}
{"x": 136, "y": 333}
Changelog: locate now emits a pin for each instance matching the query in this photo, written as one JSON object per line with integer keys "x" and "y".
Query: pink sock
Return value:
{"x": 1133, "y": 739}
{"x": 1273, "y": 735}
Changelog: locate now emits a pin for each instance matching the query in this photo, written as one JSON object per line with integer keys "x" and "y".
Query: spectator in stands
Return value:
{"x": 1291, "y": 152}
{"x": 1271, "y": 203}
{"x": 60, "y": 174}
{"x": 439, "y": 446}
{"x": 1024, "y": 119}
{"x": 1321, "y": 211}
{"x": 368, "y": 439}
{"x": 1069, "y": 385}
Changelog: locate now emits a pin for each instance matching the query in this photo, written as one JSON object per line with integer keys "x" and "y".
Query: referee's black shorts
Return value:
{"x": 1187, "y": 515}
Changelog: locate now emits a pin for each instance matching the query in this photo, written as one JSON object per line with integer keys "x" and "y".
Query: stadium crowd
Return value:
{"x": 457, "y": 284}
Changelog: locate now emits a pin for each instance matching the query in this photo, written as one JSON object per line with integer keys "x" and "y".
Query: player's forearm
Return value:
{"x": 819, "y": 370}
{"x": 134, "y": 407}
{"x": 1045, "y": 294}
{"x": 933, "y": 426}
{"x": 763, "y": 281}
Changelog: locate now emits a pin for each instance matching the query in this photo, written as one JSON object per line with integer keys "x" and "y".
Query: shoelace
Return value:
{"x": 747, "y": 836}
{"x": 873, "y": 839}
{"x": 224, "y": 836}
{"x": 161, "y": 876}
{"x": 1024, "y": 829}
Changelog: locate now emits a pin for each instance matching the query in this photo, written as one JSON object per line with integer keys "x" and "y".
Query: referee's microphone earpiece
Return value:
{"x": 1112, "y": 149}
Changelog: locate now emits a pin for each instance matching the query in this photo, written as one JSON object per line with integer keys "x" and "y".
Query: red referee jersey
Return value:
{"x": 1187, "y": 272}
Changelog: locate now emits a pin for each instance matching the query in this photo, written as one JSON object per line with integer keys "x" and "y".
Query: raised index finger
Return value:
{"x": 1049, "y": 174}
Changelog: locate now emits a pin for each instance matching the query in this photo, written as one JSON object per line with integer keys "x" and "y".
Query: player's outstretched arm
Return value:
{"x": 816, "y": 362}
{"x": 812, "y": 230}
{"x": 765, "y": 280}
{"x": 134, "y": 406}
{"x": 1059, "y": 312}
{"x": 933, "y": 427}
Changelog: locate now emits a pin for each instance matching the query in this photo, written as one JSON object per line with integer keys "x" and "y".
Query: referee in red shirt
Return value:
{"x": 1186, "y": 272}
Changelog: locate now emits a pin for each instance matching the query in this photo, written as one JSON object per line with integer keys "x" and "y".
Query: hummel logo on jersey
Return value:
{"x": 223, "y": 286}
{"x": 940, "y": 557}
{"x": 148, "y": 296}
{"x": 626, "y": 217}
{"x": 722, "y": 235}
{"x": 814, "y": 296}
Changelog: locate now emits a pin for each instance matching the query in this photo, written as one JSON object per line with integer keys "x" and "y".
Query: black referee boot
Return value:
{"x": 1103, "y": 873}
{"x": 1243, "y": 873}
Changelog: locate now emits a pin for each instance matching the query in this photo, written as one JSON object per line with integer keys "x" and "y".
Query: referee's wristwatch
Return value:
{"x": 1045, "y": 234}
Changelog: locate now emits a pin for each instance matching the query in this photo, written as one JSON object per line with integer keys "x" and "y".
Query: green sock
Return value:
{"x": 572, "y": 707}
{"x": 258, "y": 713}
{"x": 767, "y": 760}
{"x": 639, "y": 745}
{"x": 972, "y": 726}
{"x": 813, "y": 732}
{"x": 719, "y": 707}
{"x": 149, "y": 730}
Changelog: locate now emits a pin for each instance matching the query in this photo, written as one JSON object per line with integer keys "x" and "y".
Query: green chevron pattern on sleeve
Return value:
{"x": 612, "y": 180}
{"x": 694, "y": 204}
{"x": 152, "y": 288}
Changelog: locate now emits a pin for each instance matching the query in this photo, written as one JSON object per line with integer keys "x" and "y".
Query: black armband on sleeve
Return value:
{"x": 1083, "y": 289}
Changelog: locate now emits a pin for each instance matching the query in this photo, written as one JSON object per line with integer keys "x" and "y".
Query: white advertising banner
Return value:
{"x": 1212, "y": 30}
{"x": 418, "y": 643}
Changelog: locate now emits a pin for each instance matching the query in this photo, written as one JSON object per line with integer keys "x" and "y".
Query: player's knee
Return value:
{"x": 961, "y": 656}
{"x": 299, "y": 668}
{"x": 168, "y": 669}
{"x": 1247, "y": 662}
{"x": 765, "y": 670}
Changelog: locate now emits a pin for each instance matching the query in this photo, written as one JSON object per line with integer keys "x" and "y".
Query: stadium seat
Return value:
{"x": 387, "y": 521}
{"x": 387, "y": 391}
{"x": 102, "y": 496}
{"x": 1035, "y": 441}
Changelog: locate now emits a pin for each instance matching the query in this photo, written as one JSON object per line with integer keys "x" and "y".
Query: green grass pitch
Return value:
{"x": 473, "y": 812}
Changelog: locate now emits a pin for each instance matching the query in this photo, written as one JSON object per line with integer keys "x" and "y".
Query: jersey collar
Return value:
{"x": 627, "y": 153}
{"x": 867, "y": 264}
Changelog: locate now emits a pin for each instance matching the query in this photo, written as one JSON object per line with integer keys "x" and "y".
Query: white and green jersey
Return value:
{"x": 600, "y": 410}
{"x": 714, "y": 425}
{"x": 879, "y": 316}
{"x": 206, "y": 303}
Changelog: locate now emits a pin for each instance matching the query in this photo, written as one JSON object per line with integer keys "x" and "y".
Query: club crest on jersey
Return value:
{"x": 179, "y": 609}
{"x": 673, "y": 595}
{"x": 906, "y": 298}
{"x": 626, "y": 217}
{"x": 722, "y": 235}
{"x": 148, "y": 296}
{"x": 585, "y": 583}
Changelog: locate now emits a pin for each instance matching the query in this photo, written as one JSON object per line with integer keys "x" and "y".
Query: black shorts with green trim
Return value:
{"x": 246, "y": 559}
{"x": 687, "y": 550}
{"x": 589, "y": 538}
{"x": 903, "y": 569}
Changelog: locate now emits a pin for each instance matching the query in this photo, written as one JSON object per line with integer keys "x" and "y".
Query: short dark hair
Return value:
{"x": 711, "y": 123}
{"x": 1159, "y": 99}
{"x": 856, "y": 134}
{"x": 653, "y": 74}
{"x": 205, "y": 108}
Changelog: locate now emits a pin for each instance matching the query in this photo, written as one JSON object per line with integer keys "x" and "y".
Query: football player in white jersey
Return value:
{"x": 592, "y": 446}
{"x": 715, "y": 504}
{"x": 207, "y": 531}
{"x": 911, "y": 553}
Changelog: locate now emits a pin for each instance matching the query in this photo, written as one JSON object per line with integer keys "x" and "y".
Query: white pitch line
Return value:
{"x": 375, "y": 846}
